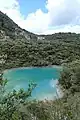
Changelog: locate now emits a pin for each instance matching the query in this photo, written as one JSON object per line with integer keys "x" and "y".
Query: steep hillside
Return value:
{"x": 12, "y": 30}
{"x": 19, "y": 47}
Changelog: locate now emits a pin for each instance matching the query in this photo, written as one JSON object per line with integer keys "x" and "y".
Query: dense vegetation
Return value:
{"x": 16, "y": 53}
{"x": 15, "y": 105}
{"x": 20, "y": 48}
{"x": 70, "y": 77}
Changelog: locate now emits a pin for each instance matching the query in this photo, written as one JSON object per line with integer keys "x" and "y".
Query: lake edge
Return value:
{"x": 54, "y": 66}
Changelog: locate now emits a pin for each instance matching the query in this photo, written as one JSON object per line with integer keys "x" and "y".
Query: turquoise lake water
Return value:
{"x": 46, "y": 79}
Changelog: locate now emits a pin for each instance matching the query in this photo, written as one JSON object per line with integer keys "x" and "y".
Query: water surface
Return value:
{"x": 45, "y": 78}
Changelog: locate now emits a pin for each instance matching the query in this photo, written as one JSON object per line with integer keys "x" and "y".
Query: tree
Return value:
{"x": 10, "y": 103}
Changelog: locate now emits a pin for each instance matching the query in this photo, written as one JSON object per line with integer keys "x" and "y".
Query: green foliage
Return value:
{"x": 10, "y": 103}
{"x": 15, "y": 106}
{"x": 65, "y": 79}
{"x": 21, "y": 53}
{"x": 20, "y": 48}
{"x": 70, "y": 77}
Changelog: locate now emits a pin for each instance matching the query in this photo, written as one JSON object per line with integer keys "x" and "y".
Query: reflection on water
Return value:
{"x": 46, "y": 79}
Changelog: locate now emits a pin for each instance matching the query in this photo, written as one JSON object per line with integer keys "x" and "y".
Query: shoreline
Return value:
{"x": 31, "y": 67}
{"x": 59, "y": 92}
